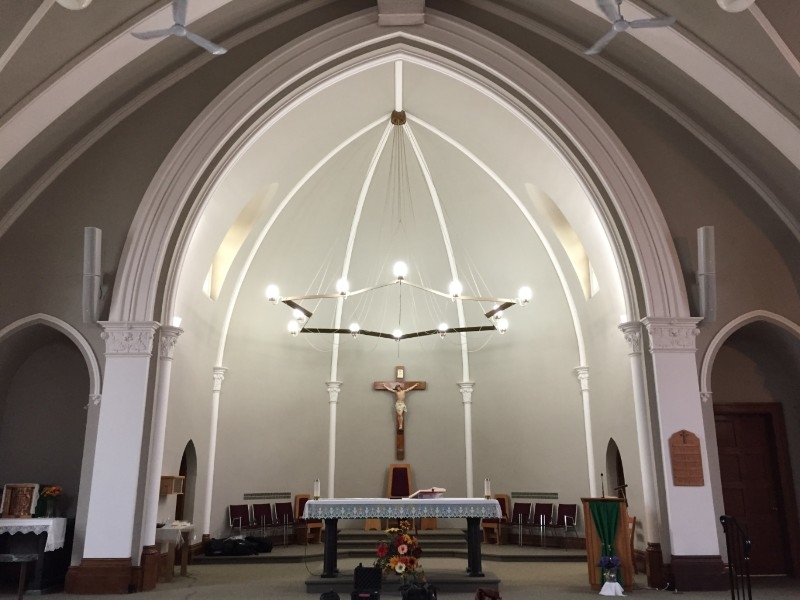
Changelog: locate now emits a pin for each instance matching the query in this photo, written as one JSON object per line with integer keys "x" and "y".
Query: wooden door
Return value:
{"x": 751, "y": 487}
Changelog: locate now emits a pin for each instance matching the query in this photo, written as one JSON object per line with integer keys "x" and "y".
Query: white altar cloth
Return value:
{"x": 56, "y": 529}
{"x": 402, "y": 508}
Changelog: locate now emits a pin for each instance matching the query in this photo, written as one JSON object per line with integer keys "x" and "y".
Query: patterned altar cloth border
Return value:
{"x": 56, "y": 530}
{"x": 404, "y": 508}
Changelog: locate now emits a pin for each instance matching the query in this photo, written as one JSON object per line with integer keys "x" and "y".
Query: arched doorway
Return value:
{"x": 615, "y": 471}
{"x": 184, "y": 504}
{"x": 755, "y": 382}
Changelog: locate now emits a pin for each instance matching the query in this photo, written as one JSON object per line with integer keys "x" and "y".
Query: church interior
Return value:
{"x": 260, "y": 249}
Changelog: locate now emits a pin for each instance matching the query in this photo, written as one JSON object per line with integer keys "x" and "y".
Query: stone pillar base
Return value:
{"x": 150, "y": 556}
{"x": 699, "y": 573}
{"x": 100, "y": 576}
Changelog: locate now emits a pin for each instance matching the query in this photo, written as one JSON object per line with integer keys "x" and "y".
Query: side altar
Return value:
{"x": 471, "y": 509}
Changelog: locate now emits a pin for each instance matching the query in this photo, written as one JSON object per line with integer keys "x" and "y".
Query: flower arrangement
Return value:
{"x": 400, "y": 553}
{"x": 51, "y": 491}
{"x": 609, "y": 562}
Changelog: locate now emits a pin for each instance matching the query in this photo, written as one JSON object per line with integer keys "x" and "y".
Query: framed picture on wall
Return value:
{"x": 19, "y": 500}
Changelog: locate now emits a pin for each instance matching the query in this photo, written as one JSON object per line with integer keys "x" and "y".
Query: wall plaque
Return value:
{"x": 686, "y": 458}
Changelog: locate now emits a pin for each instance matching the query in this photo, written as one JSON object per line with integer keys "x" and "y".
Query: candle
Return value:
{"x": 316, "y": 488}
{"x": 487, "y": 487}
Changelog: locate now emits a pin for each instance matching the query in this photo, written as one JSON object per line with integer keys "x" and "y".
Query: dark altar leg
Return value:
{"x": 474, "y": 547}
{"x": 329, "y": 551}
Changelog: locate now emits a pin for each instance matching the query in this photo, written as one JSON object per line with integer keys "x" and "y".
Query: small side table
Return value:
{"x": 23, "y": 560}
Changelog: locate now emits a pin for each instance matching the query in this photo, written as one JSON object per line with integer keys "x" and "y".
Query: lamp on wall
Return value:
{"x": 735, "y": 5}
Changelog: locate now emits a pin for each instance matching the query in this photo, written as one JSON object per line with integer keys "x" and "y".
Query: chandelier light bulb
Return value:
{"x": 499, "y": 314}
{"x": 294, "y": 328}
{"x": 443, "y": 329}
{"x": 455, "y": 288}
{"x": 298, "y": 316}
{"x": 273, "y": 294}
{"x": 342, "y": 286}
{"x": 524, "y": 295}
{"x": 397, "y": 334}
{"x": 400, "y": 269}
{"x": 354, "y": 329}
{"x": 502, "y": 325}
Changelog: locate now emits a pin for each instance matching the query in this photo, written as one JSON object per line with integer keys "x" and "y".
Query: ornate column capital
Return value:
{"x": 672, "y": 335}
{"x": 167, "y": 340}
{"x": 632, "y": 330}
{"x": 219, "y": 376}
{"x": 132, "y": 338}
{"x": 582, "y": 373}
{"x": 333, "y": 387}
{"x": 466, "y": 388}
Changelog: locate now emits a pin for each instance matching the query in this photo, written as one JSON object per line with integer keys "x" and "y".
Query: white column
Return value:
{"x": 582, "y": 373}
{"x": 333, "y": 398}
{"x": 219, "y": 376}
{"x": 166, "y": 349}
{"x": 115, "y": 468}
{"x": 466, "y": 387}
{"x": 633, "y": 335}
{"x": 692, "y": 521}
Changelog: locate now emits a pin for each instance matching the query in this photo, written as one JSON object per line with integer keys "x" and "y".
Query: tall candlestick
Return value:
{"x": 316, "y": 489}
{"x": 487, "y": 488}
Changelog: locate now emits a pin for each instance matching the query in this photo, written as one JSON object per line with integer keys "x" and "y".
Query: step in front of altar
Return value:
{"x": 445, "y": 580}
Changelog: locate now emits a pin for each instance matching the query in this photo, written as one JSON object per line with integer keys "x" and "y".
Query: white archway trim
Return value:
{"x": 734, "y": 325}
{"x": 600, "y": 152}
{"x": 68, "y": 330}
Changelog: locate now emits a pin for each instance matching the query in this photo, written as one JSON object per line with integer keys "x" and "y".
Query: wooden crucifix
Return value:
{"x": 399, "y": 387}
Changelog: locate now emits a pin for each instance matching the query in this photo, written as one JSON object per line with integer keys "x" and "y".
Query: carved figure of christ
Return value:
{"x": 399, "y": 387}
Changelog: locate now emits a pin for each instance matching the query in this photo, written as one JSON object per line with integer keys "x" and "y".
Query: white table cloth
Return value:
{"x": 56, "y": 529}
{"x": 402, "y": 508}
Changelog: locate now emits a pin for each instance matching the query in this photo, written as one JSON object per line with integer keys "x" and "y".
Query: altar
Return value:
{"x": 50, "y": 539}
{"x": 471, "y": 509}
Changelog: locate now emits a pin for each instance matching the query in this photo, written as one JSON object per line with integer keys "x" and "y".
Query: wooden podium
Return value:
{"x": 622, "y": 546}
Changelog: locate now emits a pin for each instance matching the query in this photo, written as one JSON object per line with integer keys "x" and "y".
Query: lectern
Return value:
{"x": 597, "y": 542}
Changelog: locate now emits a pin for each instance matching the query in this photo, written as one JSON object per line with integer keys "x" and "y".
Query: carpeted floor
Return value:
{"x": 547, "y": 580}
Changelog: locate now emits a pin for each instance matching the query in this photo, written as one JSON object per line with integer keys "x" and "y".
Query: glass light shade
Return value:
{"x": 293, "y": 327}
{"x": 400, "y": 269}
{"x": 524, "y": 295}
{"x": 455, "y": 288}
{"x": 342, "y": 286}
{"x": 397, "y": 333}
{"x": 502, "y": 325}
{"x": 74, "y": 4}
{"x": 272, "y": 293}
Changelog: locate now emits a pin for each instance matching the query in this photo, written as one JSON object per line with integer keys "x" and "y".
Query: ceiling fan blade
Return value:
{"x": 149, "y": 35}
{"x": 610, "y": 9}
{"x": 602, "y": 42}
{"x": 641, "y": 23}
{"x": 204, "y": 43}
{"x": 179, "y": 12}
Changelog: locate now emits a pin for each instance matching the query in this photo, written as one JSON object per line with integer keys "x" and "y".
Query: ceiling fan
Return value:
{"x": 613, "y": 11}
{"x": 178, "y": 29}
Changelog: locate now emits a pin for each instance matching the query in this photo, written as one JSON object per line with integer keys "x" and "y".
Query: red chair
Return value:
{"x": 566, "y": 519}
{"x": 262, "y": 516}
{"x": 284, "y": 518}
{"x": 520, "y": 518}
{"x": 239, "y": 518}
{"x": 542, "y": 516}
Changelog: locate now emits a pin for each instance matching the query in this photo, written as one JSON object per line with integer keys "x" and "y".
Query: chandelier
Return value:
{"x": 399, "y": 197}
{"x": 302, "y": 316}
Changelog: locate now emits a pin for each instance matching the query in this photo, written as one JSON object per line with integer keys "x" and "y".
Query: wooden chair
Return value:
{"x": 520, "y": 518}
{"x": 239, "y": 518}
{"x": 284, "y": 517}
{"x": 306, "y": 530}
{"x": 493, "y": 528}
{"x": 399, "y": 484}
{"x": 566, "y": 519}
{"x": 262, "y": 517}
{"x": 542, "y": 515}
